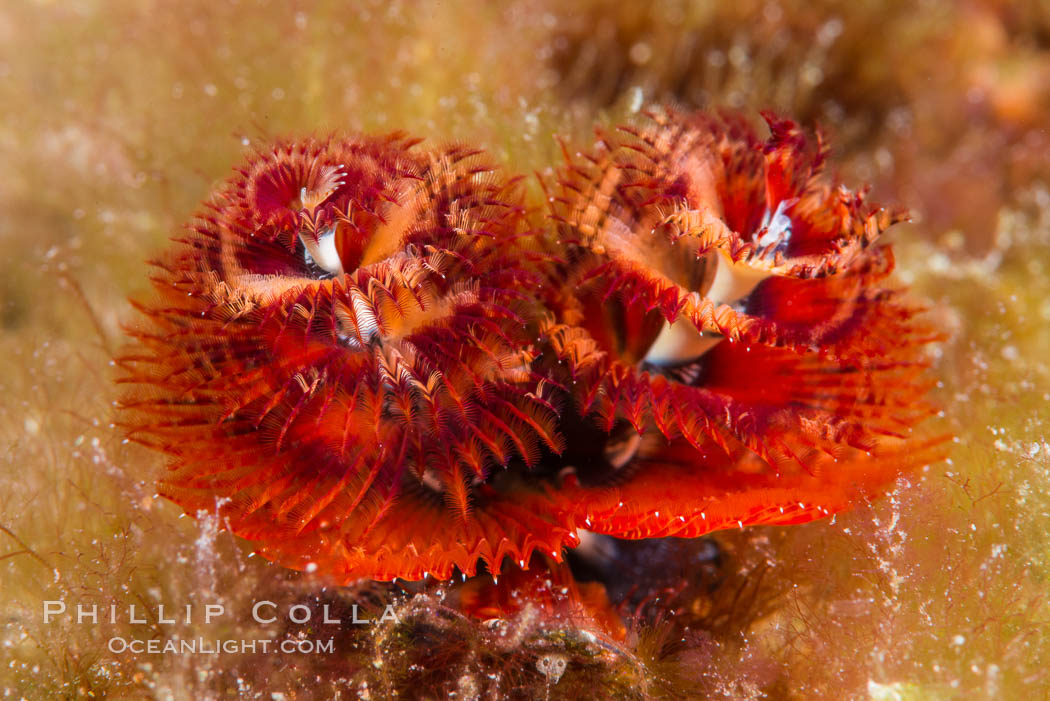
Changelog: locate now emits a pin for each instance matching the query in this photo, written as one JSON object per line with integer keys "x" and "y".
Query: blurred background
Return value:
{"x": 118, "y": 118}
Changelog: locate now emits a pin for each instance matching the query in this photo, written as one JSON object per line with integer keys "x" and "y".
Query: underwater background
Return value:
{"x": 118, "y": 118}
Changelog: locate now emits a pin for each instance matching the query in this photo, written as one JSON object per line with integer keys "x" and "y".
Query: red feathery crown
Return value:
{"x": 375, "y": 361}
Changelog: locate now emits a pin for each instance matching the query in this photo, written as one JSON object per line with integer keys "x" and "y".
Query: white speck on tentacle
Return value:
{"x": 322, "y": 251}
{"x": 637, "y": 99}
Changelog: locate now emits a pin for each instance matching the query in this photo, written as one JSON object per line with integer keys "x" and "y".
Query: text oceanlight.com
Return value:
{"x": 209, "y": 646}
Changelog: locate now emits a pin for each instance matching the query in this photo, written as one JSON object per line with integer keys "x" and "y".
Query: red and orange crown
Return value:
{"x": 374, "y": 359}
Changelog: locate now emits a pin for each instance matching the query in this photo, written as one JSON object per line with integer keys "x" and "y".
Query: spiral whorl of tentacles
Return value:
{"x": 376, "y": 361}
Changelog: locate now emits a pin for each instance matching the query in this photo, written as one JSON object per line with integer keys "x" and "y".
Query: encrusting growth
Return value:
{"x": 375, "y": 360}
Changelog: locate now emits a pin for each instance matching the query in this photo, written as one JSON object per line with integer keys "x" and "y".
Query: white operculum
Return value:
{"x": 733, "y": 281}
{"x": 680, "y": 342}
{"x": 323, "y": 251}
